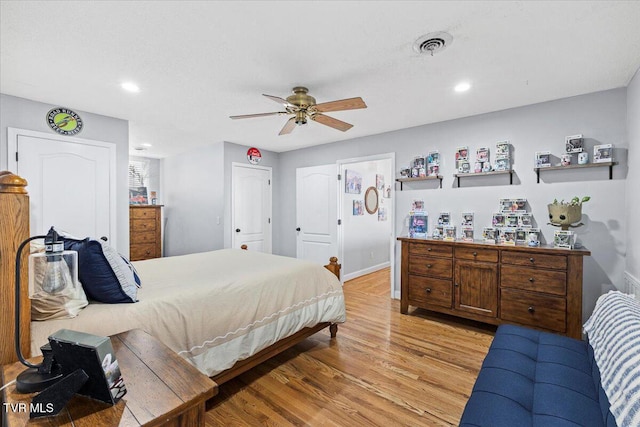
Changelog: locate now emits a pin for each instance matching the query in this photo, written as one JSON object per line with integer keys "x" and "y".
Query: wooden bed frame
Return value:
{"x": 14, "y": 229}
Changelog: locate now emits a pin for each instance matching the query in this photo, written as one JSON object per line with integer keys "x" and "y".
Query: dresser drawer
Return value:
{"x": 428, "y": 249}
{"x": 533, "y": 309}
{"x": 555, "y": 262}
{"x": 434, "y": 267}
{"x": 143, "y": 236}
{"x": 430, "y": 291}
{"x": 532, "y": 279}
{"x": 137, "y": 225}
{"x": 477, "y": 254}
{"x": 141, "y": 213}
{"x": 143, "y": 251}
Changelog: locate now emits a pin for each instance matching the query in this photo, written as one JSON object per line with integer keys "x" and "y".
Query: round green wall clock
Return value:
{"x": 64, "y": 121}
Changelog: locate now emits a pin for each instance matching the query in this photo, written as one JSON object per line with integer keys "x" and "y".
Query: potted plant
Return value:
{"x": 564, "y": 214}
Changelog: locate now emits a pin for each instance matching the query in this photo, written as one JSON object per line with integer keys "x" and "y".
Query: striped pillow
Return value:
{"x": 614, "y": 333}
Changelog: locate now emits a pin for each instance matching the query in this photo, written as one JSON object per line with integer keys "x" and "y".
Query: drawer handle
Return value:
{"x": 429, "y": 265}
{"x": 428, "y": 249}
{"x": 532, "y": 260}
{"x": 531, "y": 279}
{"x": 531, "y": 309}
{"x": 456, "y": 284}
{"x": 475, "y": 254}
{"x": 428, "y": 290}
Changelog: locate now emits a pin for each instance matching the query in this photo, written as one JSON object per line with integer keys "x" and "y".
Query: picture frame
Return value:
{"x": 543, "y": 159}
{"x": 574, "y": 144}
{"x": 352, "y": 182}
{"x": 603, "y": 153}
{"x": 382, "y": 213}
{"x": 380, "y": 182}
{"x": 138, "y": 196}
{"x": 358, "y": 207}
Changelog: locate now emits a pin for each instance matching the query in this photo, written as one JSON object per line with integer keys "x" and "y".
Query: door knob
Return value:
{"x": 298, "y": 229}
{"x": 237, "y": 230}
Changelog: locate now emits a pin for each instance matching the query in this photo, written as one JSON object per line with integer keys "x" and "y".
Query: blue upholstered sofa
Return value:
{"x": 534, "y": 378}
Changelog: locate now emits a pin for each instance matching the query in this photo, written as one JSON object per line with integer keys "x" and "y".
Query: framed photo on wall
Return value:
{"x": 352, "y": 182}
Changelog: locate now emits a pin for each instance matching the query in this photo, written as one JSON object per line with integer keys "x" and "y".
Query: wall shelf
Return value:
{"x": 610, "y": 165}
{"x": 424, "y": 178}
{"x": 465, "y": 175}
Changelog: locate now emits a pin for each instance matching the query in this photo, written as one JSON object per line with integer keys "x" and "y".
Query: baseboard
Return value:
{"x": 631, "y": 285}
{"x": 368, "y": 270}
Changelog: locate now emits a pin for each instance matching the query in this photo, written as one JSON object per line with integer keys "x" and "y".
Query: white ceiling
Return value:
{"x": 198, "y": 62}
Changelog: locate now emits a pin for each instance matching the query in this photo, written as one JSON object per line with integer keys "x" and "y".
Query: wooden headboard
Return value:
{"x": 14, "y": 229}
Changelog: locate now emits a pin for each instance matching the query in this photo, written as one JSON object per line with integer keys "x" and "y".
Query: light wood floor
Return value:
{"x": 383, "y": 369}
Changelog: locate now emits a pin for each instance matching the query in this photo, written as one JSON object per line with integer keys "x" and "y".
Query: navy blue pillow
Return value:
{"x": 105, "y": 275}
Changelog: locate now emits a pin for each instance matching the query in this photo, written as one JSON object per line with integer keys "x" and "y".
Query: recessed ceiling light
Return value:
{"x": 130, "y": 87}
{"x": 462, "y": 87}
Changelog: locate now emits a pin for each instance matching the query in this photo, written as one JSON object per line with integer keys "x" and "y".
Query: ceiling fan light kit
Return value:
{"x": 303, "y": 107}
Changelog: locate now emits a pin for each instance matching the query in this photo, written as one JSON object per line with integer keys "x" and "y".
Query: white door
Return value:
{"x": 251, "y": 207}
{"x": 71, "y": 182}
{"x": 316, "y": 213}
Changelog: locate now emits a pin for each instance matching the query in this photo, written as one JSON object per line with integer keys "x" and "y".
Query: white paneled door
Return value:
{"x": 316, "y": 213}
{"x": 251, "y": 207}
{"x": 71, "y": 182}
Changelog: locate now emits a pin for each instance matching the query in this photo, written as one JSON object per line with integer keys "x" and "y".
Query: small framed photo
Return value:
{"x": 380, "y": 182}
{"x": 138, "y": 196}
{"x": 467, "y": 219}
{"x": 521, "y": 235}
{"x": 358, "y": 207}
{"x": 511, "y": 219}
{"x": 503, "y": 150}
{"x": 482, "y": 154}
{"x": 525, "y": 220}
{"x": 467, "y": 234}
{"x": 489, "y": 235}
{"x": 543, "y": 159}
{"x": 352, "y": 181}
{"x": 563, "y": 239}
{"x": 444, "y": 218}
{"x": 462, "y": 153}
{"x": 449, "y": 233}
{"x": 508, "y": 236}
{"x": 502, "y": 164}
{"x": 603, "y": 153}
{"x": 382, "y": 213}
{"x": 498, "y": 219}
{"x": 573, "y": 144}
{"x": 433, "y": 158}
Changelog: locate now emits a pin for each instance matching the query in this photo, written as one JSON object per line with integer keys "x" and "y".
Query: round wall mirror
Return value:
{"x": 371, "y": 200}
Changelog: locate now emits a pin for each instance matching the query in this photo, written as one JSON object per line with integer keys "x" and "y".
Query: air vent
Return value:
{"x": 432, "y": 43}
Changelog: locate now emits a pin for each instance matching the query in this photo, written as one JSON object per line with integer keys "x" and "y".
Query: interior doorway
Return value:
{"x": 366, "y": 209}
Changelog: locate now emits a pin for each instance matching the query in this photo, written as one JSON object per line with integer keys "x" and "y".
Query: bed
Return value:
{"x": 224, "y": 311}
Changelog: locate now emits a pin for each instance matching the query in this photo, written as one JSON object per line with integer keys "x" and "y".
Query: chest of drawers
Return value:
{"x": 145, "y": 232}
{"x": 536, "y": 287}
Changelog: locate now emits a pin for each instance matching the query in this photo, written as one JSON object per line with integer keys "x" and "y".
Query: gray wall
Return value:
{"x": 193, "y": 199}
{"x": 600, "y": 116}
{"x": 31, "y": 115}
{"x": 633, "y": 179}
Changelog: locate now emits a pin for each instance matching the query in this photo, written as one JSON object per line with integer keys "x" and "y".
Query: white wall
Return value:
{"x": 633, "y": 179}
{"x": 31, "y": 115}
{"x": 600, "y": 116}
{"x": 366, "y": 240}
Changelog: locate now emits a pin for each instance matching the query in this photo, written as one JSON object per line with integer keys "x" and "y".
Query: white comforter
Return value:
{"x": 215, "y": 308}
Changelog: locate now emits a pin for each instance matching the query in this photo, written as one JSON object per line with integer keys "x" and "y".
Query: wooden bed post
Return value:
{"x": 14, "y": 229}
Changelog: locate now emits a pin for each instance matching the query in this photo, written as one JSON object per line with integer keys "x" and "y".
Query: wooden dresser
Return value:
{"x": 537, "y": 287}
{"x": 145, "y": 232}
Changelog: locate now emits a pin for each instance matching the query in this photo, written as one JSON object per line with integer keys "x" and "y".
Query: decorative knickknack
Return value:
{"x": 565, "y": 214}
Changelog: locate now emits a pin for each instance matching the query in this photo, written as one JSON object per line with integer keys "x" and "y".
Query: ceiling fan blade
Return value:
{"x": 330, "y": 121}
{"x": 277, "y": 99}
{"x": 289, "y": 126}
{"x": 340, "y": 105}
{"x": 250, "y": 116}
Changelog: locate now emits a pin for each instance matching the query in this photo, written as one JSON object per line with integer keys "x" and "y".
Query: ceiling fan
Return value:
{"x": 303, "y": 107}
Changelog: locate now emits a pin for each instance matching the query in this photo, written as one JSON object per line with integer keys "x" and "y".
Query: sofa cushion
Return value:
{"x": 614, "y": 333}
{"x": 534, "y": 378}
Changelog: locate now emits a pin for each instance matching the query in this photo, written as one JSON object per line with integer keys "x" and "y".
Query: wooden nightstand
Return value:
{"x": 162, "y": 389}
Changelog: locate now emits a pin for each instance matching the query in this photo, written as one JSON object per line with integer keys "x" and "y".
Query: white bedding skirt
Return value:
{"x": 215, "y": 308}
